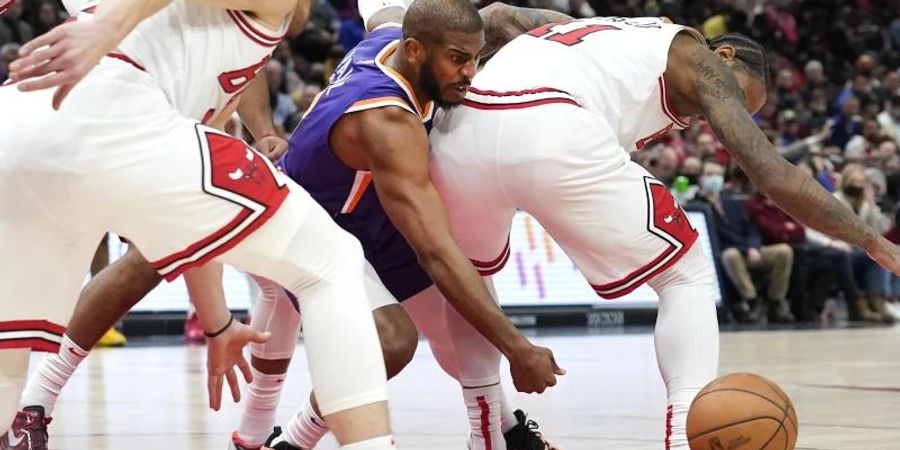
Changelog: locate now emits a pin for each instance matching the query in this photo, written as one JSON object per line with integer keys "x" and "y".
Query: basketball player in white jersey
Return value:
{"x": 123, "y": 154}
{"x": 107, "y": 294}
{"x": 547, "y": 126}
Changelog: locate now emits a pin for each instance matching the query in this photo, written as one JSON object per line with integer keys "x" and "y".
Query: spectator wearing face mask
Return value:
{"x": 742, "y": 253}
{"x": 857, "y": 193}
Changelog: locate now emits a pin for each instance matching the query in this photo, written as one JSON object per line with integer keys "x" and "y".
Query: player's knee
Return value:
{"x": 347, "y": 251}
{"x": 398, "y": 336}
{"x": 138, "y": 270}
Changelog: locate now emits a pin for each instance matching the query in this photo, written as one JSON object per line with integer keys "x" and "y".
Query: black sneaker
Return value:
{"x": 276, "y": 442}
{"x": 28, "y": 431}
{"x": 525, "y": 435}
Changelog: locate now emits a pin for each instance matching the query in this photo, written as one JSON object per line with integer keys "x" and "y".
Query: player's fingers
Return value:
{"x": 245, "y": 370}
{"x": 36, "y": 64}
{"x": 48, "y": 38}
{"x": 260, "y": 337}
{"x": 233, "y": 384}
{"x": 46, "y": 82}
{"x": 551, "y": 381}
{"x": 61, "y": 93}
{"x": 556, "y": 369}
{"x": 214, "y": 385}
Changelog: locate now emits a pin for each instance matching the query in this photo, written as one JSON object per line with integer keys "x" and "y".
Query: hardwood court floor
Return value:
{"x": 844, "y": 382}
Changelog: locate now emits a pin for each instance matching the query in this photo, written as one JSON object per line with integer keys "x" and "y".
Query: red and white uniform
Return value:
{"x": 547, "y": 127}
{"x": 126, "y": 153}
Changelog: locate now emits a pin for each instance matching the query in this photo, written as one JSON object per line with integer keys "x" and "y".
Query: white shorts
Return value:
{"x": 563, "y": 165}
{"x": 116, "y": 157}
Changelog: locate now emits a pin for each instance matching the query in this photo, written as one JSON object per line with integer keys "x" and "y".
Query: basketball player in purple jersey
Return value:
{"x": 362, "y": 153}
{"x": 128, "y": 279}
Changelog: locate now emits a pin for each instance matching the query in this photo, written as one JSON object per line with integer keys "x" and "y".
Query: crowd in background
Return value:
{"x": 833, "y": 109}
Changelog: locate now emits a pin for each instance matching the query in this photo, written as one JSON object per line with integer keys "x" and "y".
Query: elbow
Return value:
{"x": 495, "y": 9}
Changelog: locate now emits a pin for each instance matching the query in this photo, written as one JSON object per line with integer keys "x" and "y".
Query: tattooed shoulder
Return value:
{"x": 503, "y": 23}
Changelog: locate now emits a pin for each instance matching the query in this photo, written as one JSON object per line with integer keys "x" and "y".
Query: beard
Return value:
{"x": 430, "y": 86}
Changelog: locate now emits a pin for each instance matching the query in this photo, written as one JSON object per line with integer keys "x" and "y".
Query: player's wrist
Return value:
{"x": 514, "y": 345}
{"x": 221, "y": 329}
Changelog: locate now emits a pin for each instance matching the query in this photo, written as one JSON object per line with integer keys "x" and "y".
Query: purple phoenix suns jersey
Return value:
{"x": 360, "y": 82}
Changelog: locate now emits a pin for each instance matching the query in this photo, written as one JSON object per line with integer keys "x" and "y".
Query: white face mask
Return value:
{"x": 712, "y": 184}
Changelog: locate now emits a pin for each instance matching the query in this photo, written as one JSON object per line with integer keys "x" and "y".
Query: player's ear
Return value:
{"x": 726, "y": 52}
{"x": 415, "y": 49}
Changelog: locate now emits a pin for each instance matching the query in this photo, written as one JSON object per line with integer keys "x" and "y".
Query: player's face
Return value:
{"x": 450, "y": 66}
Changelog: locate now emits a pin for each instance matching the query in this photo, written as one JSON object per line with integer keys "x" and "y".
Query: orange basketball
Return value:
{"x": 742, "y": 411}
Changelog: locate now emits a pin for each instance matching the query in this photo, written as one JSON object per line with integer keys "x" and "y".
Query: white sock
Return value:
{"x": 306, "y": 428}
{"x": 44, "y": 387}
{"x": 508, "y": 419}
{"x": 379, "y": 443}
{"x": 260, "y": 407}
{"x": 483, "y": 405}
{"x": 686, "y": 337}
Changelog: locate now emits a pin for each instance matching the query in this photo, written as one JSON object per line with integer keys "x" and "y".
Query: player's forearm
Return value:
{"x": 255, "y": 110}
{"x": 503, "y": 23}
{"x": 464, "y": 288}
{"x": 792, "y": 190}
{"x": 124, "y": 15}
{"x": 204, "y": 285}
{"x": 422, "y": 221}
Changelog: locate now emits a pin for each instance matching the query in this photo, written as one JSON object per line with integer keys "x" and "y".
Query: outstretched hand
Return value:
{"x": 223, "y": 353}
{"x": 62, "y": 57}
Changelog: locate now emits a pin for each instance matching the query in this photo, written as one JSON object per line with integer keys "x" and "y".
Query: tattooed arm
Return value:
{"x": 702, "y": 78}
{"x": 503, "y": 23}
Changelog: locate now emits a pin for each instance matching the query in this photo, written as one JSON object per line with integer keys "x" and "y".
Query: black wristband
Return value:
{"x": 222, "y": 330}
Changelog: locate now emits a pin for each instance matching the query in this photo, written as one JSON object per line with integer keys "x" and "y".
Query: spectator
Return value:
{"x": 816, "y": 80}
{"x": 857, "y": 192}
{"x": 817, "y": 266}
{"x": 12, "y": 28}
{"x": 709, "y": 147}
{"x": 847, "y": 124}
{"x": 742, "y": 252}
{"x": 48, "y": 15}
{"x": 282, "y": 106}
{"x": 662, "y": 163}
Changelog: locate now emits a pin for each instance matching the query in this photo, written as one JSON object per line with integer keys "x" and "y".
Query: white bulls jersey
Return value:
{"x": 201, "y": 56}
{"x": 612, "y": 66}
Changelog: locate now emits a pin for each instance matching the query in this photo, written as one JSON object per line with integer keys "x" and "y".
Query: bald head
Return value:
{"x": 428, "y": 20}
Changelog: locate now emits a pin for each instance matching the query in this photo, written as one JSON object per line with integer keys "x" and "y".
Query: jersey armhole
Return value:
{"x": 379, "y": 102}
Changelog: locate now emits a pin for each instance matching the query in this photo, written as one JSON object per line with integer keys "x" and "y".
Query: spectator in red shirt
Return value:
{"x": 817, "y": 265}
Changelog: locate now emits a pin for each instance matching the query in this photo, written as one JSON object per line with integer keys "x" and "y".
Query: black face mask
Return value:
{"x": 693, "y": 178}
{"x": 853, "y": 191}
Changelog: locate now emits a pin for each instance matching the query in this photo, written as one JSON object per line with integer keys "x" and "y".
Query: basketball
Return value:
{"x": 742, "y": 411}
